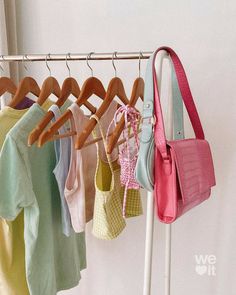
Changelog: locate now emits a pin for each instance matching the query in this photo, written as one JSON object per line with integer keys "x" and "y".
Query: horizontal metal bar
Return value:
{"x": 76, "y": 56}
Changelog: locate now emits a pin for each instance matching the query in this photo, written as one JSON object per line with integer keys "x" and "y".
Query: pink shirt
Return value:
{"x": 79, "y": 187}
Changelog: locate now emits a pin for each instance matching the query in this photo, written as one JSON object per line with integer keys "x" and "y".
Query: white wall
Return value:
{"x": 203, "y": 34}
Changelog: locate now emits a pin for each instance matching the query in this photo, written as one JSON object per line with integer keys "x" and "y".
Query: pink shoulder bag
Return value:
{"x": 184, "y": 172}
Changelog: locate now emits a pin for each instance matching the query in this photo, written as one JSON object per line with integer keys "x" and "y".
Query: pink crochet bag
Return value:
{"x": 128, "y": 159}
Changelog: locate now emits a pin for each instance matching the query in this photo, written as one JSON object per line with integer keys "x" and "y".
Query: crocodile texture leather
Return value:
{"x": 184, "y": 172}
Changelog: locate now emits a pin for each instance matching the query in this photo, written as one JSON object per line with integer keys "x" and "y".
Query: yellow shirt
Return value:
{"x": 12, "y": 247}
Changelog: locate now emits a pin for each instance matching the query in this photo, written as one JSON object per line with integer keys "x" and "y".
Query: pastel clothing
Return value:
{"x": 128, "y": 153}
{"x": 12, "y": 246}
{"x": 108, "y": 221}
{"x": 62, "y": 150}
{"x": 79, "y": 188}
{"x": 26, "y": 103}
{"x": 75, "y": 182}
{"x": 53, "y": 261}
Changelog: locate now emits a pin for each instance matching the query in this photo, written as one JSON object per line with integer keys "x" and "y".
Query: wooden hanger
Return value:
{"x": 100, "y": 139}
{"x": 69, "y": 86}
{"x": 137, "y": 92}
{"x": 115, "y": 88}
{"x": 27, "y": 85}
{"x": 7, "y": 85}
{"x": 50, "y": 86}
{"x": 92, "y": 86}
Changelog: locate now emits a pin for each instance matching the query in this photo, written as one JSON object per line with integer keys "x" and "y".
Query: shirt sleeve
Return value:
{"x": 16, "y": 191}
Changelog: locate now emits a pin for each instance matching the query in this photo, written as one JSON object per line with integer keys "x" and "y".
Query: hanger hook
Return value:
{"x": 139, "y": 63}
{"x": 67, "y": 65}
{"x": 46, "y": 61}
{"x": 89, "y": 57}
{"x": 1, "y": 67}
{"x": 113, "y": 63}
{"x": 23, "y": 62}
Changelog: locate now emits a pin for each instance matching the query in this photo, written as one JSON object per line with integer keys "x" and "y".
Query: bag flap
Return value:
{"x": 194, "y": 166}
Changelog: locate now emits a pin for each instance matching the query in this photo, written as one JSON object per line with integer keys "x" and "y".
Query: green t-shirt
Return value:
{"x": 53, "y": 261}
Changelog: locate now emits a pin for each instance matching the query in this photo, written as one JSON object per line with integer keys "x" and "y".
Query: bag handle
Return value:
{"x": 160, "y": 138}
{"x": 148, "y": 118}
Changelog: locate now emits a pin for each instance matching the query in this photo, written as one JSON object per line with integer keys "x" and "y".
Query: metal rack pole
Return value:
{"x": 150, "y": 211}
{"x": 77, "y": 56}
{"x": 148, "y": 245}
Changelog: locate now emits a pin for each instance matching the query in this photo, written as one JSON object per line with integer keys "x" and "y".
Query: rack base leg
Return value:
{"x": 168, "y": 260}
{"x": 148, "y": 244}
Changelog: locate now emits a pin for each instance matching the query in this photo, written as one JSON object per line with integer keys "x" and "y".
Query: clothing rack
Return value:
{"x": 77, "y": 56}
{"x": 150, "y": 200}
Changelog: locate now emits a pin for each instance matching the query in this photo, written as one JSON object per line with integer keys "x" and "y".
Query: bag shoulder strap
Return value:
{"x": 160, "y": 137}
{"x": 104, "y": 139}
{"x": 148, "y": 107}
{"x": 177, "y": 119}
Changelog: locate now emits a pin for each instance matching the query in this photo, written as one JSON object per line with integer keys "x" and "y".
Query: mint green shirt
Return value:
{"x": 53, "y": 261}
